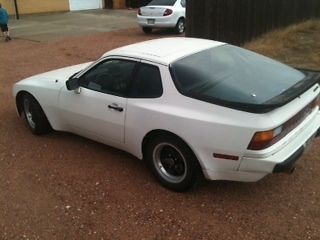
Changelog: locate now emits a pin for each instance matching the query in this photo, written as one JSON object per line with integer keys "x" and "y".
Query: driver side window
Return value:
{"x": 110, "y": 76}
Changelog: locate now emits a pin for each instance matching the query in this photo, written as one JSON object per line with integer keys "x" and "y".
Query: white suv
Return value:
{"x": 163, "y": 14}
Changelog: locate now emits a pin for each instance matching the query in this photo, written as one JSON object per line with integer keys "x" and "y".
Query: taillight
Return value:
{"x": 167, "y": 12}
{"x": 139, "y": 11}
{"x": 264, "y": 139}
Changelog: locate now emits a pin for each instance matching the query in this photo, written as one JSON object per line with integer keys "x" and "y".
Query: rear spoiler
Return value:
{"x": 309, "y": 71}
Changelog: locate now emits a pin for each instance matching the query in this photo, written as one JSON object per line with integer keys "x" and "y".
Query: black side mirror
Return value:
{"x": 72, "y": 83}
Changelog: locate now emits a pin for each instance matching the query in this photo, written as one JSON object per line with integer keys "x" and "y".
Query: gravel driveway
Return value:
{"x": 61, "y": 186}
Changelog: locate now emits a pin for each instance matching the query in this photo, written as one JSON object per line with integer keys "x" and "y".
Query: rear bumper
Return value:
{"x": 158, "y": 22}
{"x": 288, "y": 151}
{"x": 252, "y": 173}
{"x": 288, "y": 164}
{"x": 280, "y": 157}
{"x": 257, "y": 164}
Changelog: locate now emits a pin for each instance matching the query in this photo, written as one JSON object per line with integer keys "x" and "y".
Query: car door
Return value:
{"x": 97, "y": 109}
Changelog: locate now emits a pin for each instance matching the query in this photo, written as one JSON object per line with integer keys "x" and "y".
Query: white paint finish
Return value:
{"x": 76, "y": 5}
{"x": 87, "y": 114}
{"x": 205, "y": 127}
{"x": 155, "y": 13}
{"x": 164, "y": 50}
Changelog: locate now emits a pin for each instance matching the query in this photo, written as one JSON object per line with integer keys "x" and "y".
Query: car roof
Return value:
{"x": 164, "y": 50}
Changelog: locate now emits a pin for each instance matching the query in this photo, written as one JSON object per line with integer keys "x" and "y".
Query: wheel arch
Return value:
{"x": 181, "y": 17}
{"x": 160, "y": 132}
{"x": 19, "y": 104}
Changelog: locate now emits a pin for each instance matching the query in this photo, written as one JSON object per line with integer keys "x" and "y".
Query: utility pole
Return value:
{"x": 16, "y": 8}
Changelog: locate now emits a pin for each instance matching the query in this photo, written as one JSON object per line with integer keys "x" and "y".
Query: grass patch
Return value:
{"x": 297, "y": 45}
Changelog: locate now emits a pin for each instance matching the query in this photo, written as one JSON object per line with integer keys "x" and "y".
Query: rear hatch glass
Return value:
{"x": 237, "y": 78}
{"x": 162, "y": 3}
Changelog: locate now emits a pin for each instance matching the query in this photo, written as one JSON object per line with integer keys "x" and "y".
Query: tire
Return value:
{"x": 147, "y": 30}
{"x": 172, "y": 162}
{"x": 34, "y": 115}
{"x": 180, "y": 26}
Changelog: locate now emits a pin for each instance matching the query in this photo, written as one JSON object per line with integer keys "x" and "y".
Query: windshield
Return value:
{"x": 232, "y": 74}
{"x": 162, "y": 3}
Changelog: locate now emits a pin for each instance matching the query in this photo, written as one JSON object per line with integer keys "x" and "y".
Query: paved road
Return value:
{"x": 48, "y": 27}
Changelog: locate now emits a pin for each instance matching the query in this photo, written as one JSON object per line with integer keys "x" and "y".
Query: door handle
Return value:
{"x": 115, "y": 107}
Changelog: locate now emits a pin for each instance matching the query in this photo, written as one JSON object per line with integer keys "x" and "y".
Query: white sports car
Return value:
{"x": 163, "y": 14}
{"x": 187, "y": 106}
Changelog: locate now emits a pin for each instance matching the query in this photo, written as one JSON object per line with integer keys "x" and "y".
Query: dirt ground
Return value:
{"x": 61, "y": 186}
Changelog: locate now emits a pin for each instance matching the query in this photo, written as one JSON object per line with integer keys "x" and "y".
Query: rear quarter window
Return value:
{"x": 147, "y": 82}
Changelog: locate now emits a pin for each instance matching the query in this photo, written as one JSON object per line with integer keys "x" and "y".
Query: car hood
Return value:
{"x": 62, "y": 74}
{"x": 53, "y": 80}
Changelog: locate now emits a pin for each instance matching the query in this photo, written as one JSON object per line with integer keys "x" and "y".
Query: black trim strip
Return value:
{"x": 288, "y": 164}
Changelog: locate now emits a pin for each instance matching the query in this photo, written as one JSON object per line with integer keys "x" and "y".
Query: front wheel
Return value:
{"x": 172, "y": 162}
{"x": 34, "y": 115}
{"x": 180, "y": 26}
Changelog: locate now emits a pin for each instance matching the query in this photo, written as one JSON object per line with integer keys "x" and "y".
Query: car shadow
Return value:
{"x": 128, "y": 170}
{"x": 164, "y": 32}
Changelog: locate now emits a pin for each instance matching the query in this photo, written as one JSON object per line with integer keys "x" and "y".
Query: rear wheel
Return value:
{"x": 147, "y": 30}
{"x": 172, "y": 162}
{"x": 180, "y": 27}
{"x": 34, "y": 115}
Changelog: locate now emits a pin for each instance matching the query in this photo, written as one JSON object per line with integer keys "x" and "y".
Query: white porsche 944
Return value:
{"x": 187, "y": 106}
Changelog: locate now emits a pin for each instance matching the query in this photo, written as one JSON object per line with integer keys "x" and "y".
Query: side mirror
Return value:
{"x": 72, "y": 84}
